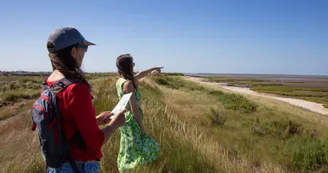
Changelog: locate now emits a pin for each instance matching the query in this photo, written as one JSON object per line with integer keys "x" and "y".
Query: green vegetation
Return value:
{"x": 319, "y": 95}
{"x": 293, "y": 91}
{"x": 176, "y": 83}
{"x": 216, "y": 119}
{"x": 229, "y": 101}
{"x": 288, "y": 89}
{"x": 174, "y": 74}
{"x": 13, "y": 96}
{"x": 308, "y": 153}
{"x": 234, "y": 101}
{"x": 278, "y": 128}
{"x": 15, "y": 89}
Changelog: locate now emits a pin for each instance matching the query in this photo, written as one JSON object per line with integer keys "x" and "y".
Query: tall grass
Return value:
{"x": 177, "y": 155}
{"x": 308, "y": 154}
{"x": 19, "y": 146}
{"x": 193, "y": 137}
{"x": 17, "y": 88}
{"x": 229, "y": 101}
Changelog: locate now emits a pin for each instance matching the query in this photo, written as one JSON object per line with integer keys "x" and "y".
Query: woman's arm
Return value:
{"x": 116, "y": 122}
{"x": 83, "y": 113}
{"x": 103, "y": 118}
{"x": 128, "y": 88}
{"x": 146, "y": 72}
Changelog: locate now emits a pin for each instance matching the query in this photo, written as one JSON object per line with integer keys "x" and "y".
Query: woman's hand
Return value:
{"x": 104, "y": 118}
{"x": 112, "y": 122}
{"x": 117, "y": 120}
{"x": 158, "y": 69}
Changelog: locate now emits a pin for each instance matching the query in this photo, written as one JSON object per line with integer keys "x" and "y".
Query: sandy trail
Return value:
{"x": 312, "y": 106}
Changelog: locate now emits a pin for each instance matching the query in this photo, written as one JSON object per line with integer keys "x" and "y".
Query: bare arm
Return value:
{"x": 146, "y": 72}
{"x": 128, "y": 88}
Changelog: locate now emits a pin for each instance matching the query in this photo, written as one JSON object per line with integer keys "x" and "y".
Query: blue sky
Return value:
{"x": 271, "y": 36}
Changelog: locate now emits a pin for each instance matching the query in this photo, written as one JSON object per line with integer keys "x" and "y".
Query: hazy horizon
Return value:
{"x": 188, "y": 73}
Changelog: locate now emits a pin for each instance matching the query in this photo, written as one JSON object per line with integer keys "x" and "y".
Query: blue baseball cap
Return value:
{"x": 64, "y": 37}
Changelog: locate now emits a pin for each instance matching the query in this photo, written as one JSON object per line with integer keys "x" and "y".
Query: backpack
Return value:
{"x": 46, "y": 118}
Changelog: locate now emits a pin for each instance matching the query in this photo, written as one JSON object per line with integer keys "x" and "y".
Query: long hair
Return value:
{"x": 124, "y": 64}
{"x": 64, "y": 62}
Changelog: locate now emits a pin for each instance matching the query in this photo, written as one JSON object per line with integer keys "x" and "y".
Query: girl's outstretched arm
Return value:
{"x": 146, "y": 72}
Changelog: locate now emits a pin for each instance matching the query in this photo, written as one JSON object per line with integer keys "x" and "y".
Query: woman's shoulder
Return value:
{"x": 77, "y": 88}
{"x": 75, "y": 91}
{"x": 128, "y": 86}
{"x": 122, "y": 81}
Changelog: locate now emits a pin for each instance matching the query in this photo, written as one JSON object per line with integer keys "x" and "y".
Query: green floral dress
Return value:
{"x": 135, "y": 149}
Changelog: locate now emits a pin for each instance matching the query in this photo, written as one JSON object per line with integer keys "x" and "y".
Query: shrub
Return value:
{"x": 174, "y": 74}
{"x": 30, "y": 85}
{"x": 216, "y": 119}
{"x": 307, "y": 153}
{"x": 234, "y": 101}
{"x": 176, "y": 83}
{"x": 31, "y": 79}
{"x": 12, "y": 86}
{"x": 281, "y": 129}
{"x": 14, "y": 96}
{"x": 293, "y": 128}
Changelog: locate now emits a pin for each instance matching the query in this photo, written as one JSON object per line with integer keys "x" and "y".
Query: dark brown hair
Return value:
{"x": 64, "y": 62}
{"x": 125, "y": 68}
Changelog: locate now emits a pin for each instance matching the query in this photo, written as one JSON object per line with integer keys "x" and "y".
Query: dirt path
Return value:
{"x": 312, "y": 106}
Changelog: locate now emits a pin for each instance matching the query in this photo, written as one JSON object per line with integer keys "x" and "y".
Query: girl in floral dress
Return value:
{"x": 136, "y": 146}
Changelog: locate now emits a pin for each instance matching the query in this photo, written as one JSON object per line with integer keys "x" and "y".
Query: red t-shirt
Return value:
{"x": 77, "y": 113}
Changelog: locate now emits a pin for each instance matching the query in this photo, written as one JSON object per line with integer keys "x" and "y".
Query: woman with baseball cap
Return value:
{"x": 67, "y": 47}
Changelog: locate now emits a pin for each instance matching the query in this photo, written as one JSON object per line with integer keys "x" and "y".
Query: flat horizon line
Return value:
{"x": 187, "y": 73}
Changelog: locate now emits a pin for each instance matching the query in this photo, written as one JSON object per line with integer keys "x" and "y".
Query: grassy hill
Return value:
{"x": 199, "y": 128}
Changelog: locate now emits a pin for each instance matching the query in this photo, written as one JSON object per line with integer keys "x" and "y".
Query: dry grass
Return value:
{"x": 14, "y": 109}
{"x": 19, "y": 145}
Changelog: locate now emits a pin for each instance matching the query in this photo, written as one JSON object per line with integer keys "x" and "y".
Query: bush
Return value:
{"x": 282, "y": 129}
{"x": 4, "y": 89}
{"x": 14, "y": 96}
{"x": 174, "y": 74}
{"x": 31, "y": 79}
{"x": 12, "y": 86}
{"x": 307, "y": 153}
{"x": 31, "y": 85}
{"x": 293, "y": 128}
{"x": 216, "y": 119}
{"x": 234, "y": 101}
{"x": 176, "y": 83}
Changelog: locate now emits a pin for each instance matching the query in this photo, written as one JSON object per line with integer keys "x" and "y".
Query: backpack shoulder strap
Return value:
{"x": 45, "y": 85}
{"x": 62, "y": 84}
